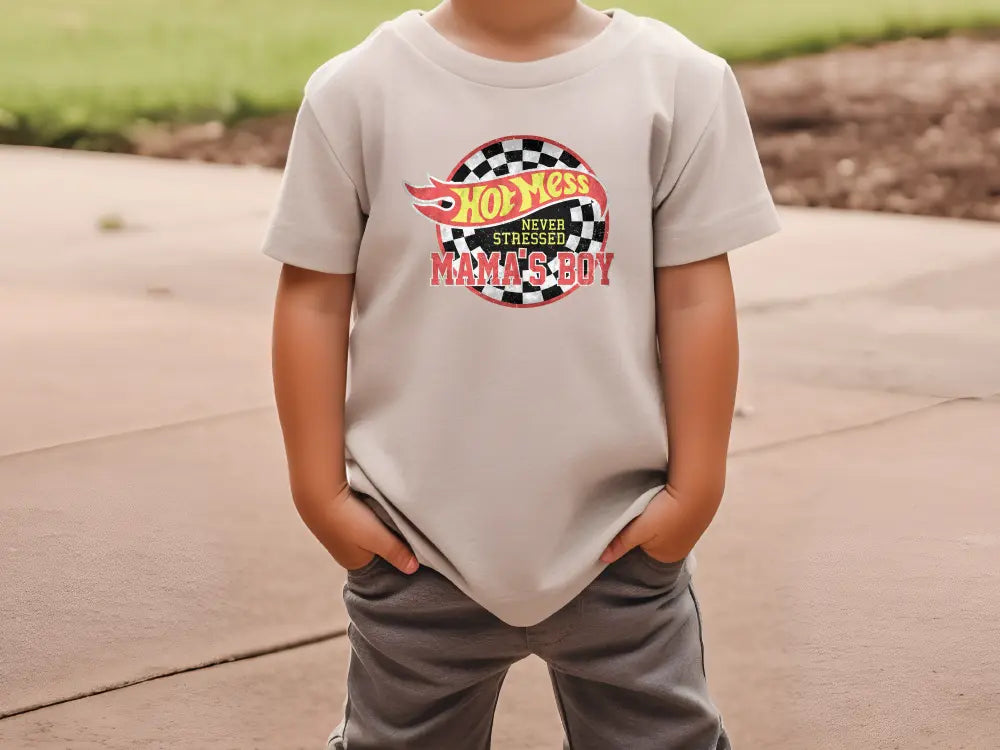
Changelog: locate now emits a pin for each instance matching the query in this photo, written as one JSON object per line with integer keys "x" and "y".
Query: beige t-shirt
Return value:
{"x": 503, "y": 221}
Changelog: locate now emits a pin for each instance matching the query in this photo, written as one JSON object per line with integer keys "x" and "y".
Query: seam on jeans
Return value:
{"x": 577, "y": 602}
{"x": 701, "y": 640}
{"x": 366, "y": 568}
{"x": 561, "y": 707}
{"x": 701, "y": 635}
{"x": 347, "y": 698}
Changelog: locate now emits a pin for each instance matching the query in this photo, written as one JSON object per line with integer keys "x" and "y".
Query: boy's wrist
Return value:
{"x": 699, "y": 488}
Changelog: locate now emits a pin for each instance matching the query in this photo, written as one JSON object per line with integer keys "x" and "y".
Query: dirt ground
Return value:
{"x": 911, "y": 127}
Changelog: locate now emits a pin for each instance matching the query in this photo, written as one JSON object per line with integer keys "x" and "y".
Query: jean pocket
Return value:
{"x": 642, "y": 569}
{"x": 631, "y": 584}
{"x": 368, "y": 567}
{"x": 651, "y": 561}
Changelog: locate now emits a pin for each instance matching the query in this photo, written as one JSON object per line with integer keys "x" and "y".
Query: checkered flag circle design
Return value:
{"x": 584, "y": 229}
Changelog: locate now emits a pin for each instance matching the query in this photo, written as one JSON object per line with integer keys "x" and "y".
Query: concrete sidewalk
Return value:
{"x": 153, "y": 570}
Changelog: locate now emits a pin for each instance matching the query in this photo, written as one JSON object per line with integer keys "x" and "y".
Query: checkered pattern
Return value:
{"x": 584, "y": 231}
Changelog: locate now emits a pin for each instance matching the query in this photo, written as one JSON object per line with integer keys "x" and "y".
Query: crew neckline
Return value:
{"x": 439, "y": 49}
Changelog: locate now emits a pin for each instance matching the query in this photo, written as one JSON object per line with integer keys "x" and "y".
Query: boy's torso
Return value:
{"x": 504, "y": 403}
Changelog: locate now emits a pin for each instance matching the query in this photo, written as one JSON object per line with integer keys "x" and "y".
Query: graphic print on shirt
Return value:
{"x": 521, "y": 221}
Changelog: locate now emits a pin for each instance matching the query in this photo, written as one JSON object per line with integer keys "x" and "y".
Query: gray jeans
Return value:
{"x": 625, "y": 658}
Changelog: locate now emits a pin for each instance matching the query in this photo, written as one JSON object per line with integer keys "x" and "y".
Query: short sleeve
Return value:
{"x": 317, "y": 221}
{"x": 713, "y": 197}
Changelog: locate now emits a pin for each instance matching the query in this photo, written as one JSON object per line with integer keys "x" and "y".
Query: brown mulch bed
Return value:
{"x": 910, "y": 127}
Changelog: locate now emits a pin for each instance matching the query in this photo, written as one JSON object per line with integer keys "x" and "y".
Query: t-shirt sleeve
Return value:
{"x": 317, "y": 220}
{"x": 712, "y": 197}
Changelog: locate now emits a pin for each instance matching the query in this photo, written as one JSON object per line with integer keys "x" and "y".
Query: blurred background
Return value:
{"x": 911, "y": 126}
{"x": 156, "y": 587}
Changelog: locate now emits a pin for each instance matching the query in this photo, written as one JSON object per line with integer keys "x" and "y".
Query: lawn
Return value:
{"x": 72, "y": 70}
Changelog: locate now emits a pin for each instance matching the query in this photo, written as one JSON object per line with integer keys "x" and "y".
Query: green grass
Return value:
{"x": 79, "y": 72}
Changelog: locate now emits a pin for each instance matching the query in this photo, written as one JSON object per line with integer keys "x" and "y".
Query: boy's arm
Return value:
{"x": 699, "y": 363}
{"x": 309, "y": 363}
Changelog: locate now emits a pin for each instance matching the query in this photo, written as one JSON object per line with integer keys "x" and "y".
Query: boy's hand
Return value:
{"x": 699, "y": 363}
{"x": 312, "y": 316}
{"x": 667, "y": 530}
{"x": 353, "y": 535}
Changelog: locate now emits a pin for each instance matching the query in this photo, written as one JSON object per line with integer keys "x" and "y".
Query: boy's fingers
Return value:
{"x": 630, "y": 536}
{"x": 384, "y": 543}
{"x": 614, "y": 550}
{"x": 395, "y": 552}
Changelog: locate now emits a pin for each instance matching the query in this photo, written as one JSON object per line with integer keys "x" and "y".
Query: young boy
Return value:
{"x": 524, "y": 208}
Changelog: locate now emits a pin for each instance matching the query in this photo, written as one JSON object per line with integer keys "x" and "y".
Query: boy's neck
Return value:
{"x": 512, "y": 18}
{"x": 517, "y": 29}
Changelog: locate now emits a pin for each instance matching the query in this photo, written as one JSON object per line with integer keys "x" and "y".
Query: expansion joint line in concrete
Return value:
{"x": 862, "y": 426}
{"x": 241, "y": 656}
{"x": 207, "y": 419}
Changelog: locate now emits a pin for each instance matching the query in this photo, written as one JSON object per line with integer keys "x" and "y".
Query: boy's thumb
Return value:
{"x": 629, "y": 537}
{"x": 399, "y": 555}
